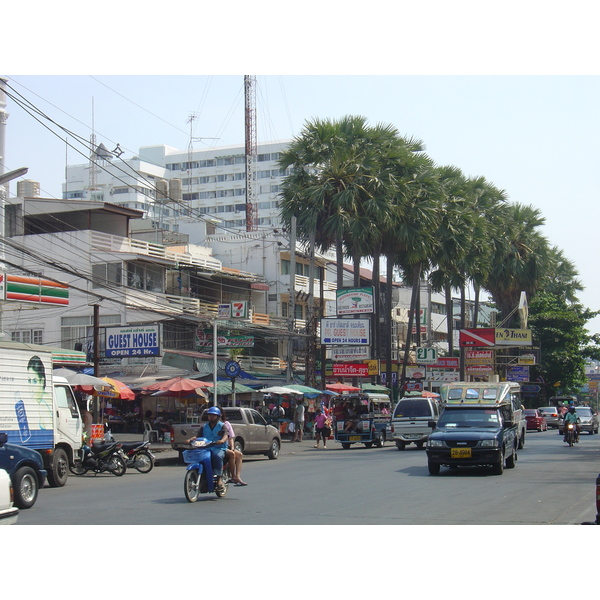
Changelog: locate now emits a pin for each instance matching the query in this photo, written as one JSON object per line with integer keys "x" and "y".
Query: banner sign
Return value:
{"x": 350, "y": 353}
{"x": 132, "y": 341}
{"x": 34, "y": 289}
{"x": 353, "y": 302}
{"x": 513, "y": 337}
{"x": 479, "y": 357}
{"x": 350, "y": 370}
{"x": 517, "y": 373}
{"x": 234, "y": 310}
{"x": 485, "y": 336}
{"x": 349, "y": 332}
{"x": 204, "y": 340}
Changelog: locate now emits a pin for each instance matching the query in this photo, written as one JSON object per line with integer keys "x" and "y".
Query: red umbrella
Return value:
{"x": 341, "y": 387}
{"x": 178, "y": 386}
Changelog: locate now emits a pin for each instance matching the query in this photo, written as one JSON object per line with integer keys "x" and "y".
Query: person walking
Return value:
{"x": 321, "y": 428}
{"x": 299, "y": 421}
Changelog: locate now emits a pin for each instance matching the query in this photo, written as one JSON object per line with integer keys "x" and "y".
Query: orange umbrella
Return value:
{"x": 116, "y": 390}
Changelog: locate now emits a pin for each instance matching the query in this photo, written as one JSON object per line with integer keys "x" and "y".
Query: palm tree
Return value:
{"x": 521, "y": 258}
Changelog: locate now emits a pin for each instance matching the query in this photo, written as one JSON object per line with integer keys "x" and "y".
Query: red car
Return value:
{"x": 535, "y": 420}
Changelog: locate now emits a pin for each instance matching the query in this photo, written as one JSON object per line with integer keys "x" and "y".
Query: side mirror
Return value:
{"x": 431, "y": 424}
{"x": 3, "y": 438}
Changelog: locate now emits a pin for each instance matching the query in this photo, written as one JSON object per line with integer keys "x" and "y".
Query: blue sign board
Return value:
{"x": 517, "y": 374}
{"x": 140, "y": 340}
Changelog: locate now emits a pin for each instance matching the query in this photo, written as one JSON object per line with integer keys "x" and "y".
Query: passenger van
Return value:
{"x": 362, "y": 418}
{"x": 411, "y": 420}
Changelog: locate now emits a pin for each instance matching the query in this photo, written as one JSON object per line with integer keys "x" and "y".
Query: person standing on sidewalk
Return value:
{"x": 299, "y": 421}
{"x": 321, "y": 428}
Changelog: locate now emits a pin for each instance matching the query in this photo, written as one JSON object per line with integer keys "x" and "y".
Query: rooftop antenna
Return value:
{"x": 251, "y": 151}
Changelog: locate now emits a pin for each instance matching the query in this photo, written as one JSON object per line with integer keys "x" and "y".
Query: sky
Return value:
{"x": 508, "y": 91}
{"x": 534, "y": 136}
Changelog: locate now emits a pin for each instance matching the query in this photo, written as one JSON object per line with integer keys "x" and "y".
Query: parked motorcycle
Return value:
{"x": 199, "y": 476}
{"x": 100, "y": 458}
{"x": 571, "y": 434}
{"x": 138, "y": 456}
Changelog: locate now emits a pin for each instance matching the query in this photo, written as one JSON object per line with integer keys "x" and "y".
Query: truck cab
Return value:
{"x": 479, "y": 426}
{"x": 362, "y": 418}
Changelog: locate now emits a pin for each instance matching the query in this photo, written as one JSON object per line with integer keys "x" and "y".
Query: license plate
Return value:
{"x": 354, "y": 438}
{"x": 460, "y": 452}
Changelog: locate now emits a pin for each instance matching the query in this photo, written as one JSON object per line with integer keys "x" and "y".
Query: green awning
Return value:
{"x": 224, "y": 388}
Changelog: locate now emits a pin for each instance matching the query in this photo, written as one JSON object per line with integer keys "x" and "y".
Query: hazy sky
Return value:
{"x": 536, "y": 137}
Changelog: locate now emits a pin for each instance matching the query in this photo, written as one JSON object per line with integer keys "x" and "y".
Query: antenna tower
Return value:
{"x": 93, "y": 157}
{"x": 251, "y": 151}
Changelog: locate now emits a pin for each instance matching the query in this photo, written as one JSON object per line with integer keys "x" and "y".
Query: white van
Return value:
{"x": 410, "y": 420}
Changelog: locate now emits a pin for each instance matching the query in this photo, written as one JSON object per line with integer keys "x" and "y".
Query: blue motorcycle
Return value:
{"x": 199, "y": 476}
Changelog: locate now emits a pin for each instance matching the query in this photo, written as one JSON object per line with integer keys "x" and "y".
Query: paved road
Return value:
{"x": 551, "y": 484}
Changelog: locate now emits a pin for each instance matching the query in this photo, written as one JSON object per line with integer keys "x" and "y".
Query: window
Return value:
{"x": 207, "y": 163}
{"x": 104, "y": 274}
{"x": 144, "y": 276}
{"x": 263, "y": 157}
{"x": 27, "y": 336}
{"x": 80, "y": 329}
{"x": 192, "y": 196}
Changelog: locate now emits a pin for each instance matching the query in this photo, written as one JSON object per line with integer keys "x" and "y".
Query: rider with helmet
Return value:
{"x": 571, "y": 416}
{"x": 215, "y": 432}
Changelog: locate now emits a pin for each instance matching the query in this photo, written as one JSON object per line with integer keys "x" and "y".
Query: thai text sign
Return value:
{"x": 350, "y": 370}
{"x": 349, "y": 332}
{"x": 132, "y": 341}
{"x": 350, "y": 353}
{"x": 353, "y": 302}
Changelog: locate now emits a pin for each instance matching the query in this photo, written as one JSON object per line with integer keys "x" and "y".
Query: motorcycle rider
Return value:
{"x": 571, "y": 416}
{"x": 214, "y": 431}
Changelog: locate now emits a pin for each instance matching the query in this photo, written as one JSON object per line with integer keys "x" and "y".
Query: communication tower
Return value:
{"x": 251, "y": 152}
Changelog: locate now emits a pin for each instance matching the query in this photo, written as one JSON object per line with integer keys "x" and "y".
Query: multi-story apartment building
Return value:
{"x": 167, "y": 183}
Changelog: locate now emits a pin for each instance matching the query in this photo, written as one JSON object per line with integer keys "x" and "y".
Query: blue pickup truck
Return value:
{"x": 26, "y": 470}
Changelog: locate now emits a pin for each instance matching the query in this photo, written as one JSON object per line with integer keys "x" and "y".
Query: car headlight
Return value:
{"x": 489, "y": 443}
{"x": 435, "y": 443}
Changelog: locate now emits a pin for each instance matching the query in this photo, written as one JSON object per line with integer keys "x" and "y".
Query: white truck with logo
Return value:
{"x": 38, "y": 410}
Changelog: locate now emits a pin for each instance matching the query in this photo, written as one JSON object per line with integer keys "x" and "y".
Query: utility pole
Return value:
{"x": 251, "y": 151}
{"x": 292, "y": 304}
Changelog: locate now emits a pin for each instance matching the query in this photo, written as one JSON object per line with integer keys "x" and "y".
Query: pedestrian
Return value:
{"x": 299, "y": 421}
{"x": 234, "y": 457}
{"x": 321, "y": 428}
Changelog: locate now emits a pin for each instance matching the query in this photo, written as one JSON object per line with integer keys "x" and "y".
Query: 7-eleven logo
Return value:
{"x": 473, "y": 338}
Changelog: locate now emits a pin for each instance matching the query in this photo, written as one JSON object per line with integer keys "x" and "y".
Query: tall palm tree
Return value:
{"x": 521, "y": 258}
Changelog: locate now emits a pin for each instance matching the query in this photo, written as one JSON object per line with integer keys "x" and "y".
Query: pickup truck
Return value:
{"x": 253, "y": 435}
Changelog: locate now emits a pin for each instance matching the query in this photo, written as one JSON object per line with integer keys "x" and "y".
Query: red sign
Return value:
{"x": 473, "y": 338}
{"x": 350, "y": 370}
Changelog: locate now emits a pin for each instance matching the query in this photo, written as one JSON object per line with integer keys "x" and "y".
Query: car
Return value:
{"x": 589, "y": 420}
{"x": 551, "y": 414}
{"x": 26, "y": 470}
{"x": 535, "y": 420}
{"x": 8, "y": 513}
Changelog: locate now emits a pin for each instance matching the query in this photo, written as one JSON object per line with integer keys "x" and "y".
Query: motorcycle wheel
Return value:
{"x": 191, "y": 485}
{"x": 78, "y": 469}
{"x": 225, "y": 487}
{"x": 117, "y": 466}
{"x": 143, "y": 462}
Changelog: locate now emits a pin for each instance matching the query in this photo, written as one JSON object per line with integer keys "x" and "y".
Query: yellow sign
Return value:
{"x": 373, "y": 366}
{"x": 513, "y": 337}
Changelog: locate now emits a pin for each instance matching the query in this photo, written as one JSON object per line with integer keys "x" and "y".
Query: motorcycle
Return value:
{"x": 137, "y": 455}
{"x": 100, "y": 458}
{"x": 571, "y": 434}
{"x": 199, "y": 476}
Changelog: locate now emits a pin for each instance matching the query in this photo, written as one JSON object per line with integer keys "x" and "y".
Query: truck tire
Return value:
{"x": 59, "y": 472}
{"x": 434, "y": 468}
{"x": 498, "y": 468}
{"x": 400, "y": 445}
{"x": 26, "y": 487}
{"x": 521, "y": 440}
{"x": 239, "y": 445}
{"x": 273, "y": 452}
{"x": 511, "y": 461}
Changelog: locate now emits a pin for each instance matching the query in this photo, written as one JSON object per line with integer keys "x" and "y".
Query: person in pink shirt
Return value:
{"x": 321, "y": 429}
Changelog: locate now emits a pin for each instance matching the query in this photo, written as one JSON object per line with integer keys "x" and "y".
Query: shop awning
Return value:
{"x": 191, "y": 361}
{"x": 224, "y": 388}
{"x": 60, "y": 356}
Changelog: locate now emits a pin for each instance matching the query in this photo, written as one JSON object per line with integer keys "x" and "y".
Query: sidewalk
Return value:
{"x": 165, "y": 455}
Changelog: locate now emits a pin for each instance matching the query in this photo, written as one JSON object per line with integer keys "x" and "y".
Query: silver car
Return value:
{"x": 551, "y": 414}
{"x": 589, "y": 419}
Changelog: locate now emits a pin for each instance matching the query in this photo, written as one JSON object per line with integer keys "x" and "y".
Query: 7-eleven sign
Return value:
{"x": 473, "y": 338}
{"x": 239, "y": 310}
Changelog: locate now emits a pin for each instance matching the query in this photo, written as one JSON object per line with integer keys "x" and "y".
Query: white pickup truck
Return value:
{"x": 8, "y": 513}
